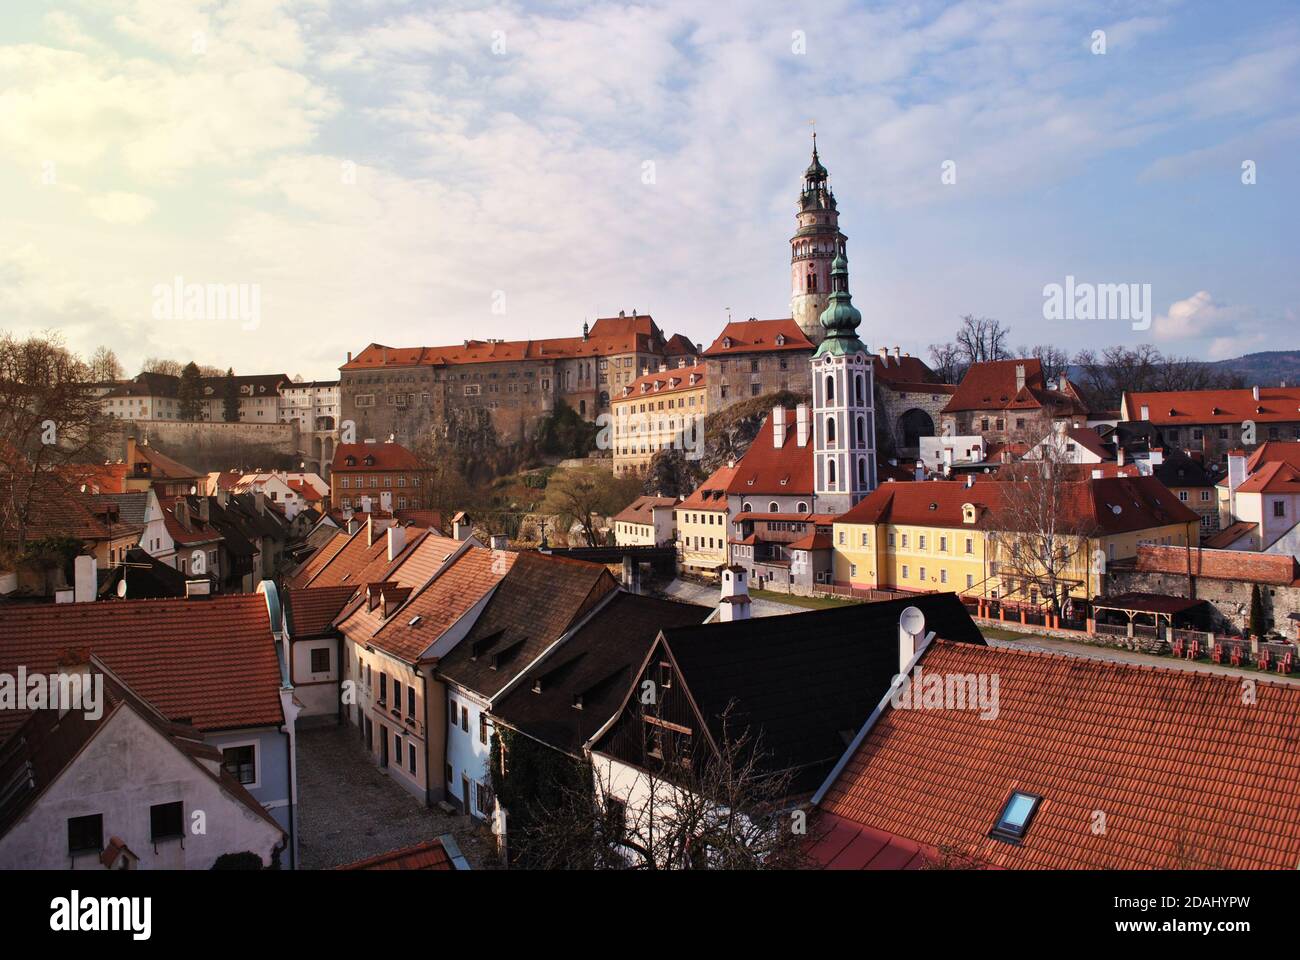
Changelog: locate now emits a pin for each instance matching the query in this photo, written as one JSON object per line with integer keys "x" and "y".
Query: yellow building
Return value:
{"x": 702, "y": 524}
{"x": 949, "y": 536}
{"x": 663, "y": 410}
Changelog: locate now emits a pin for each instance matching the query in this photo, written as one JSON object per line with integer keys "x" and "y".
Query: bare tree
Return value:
{"x": 582, "y": 497}
{"x": 48, "y": 421}
{"x": 982, "y": 339}
{"x": 1040, "y": 535}
{"x": 171, "y": 368}
{"x": 699, "y": 803}
{"x": 1054, "y": 361}
{"x": 946, "y": 361}
{"x": 104, "y": 366}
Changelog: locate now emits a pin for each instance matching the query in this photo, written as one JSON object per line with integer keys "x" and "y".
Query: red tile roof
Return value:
{"x": 759, "y": 336}
{"x": 641, "y": 510}
{"x": 1142, "y": 502}
{"x": 312, "y": 610}
{"x": 441, "y": 602}
{"x": 54, "y": 509}
{"x": 992, "y": 386}
{"x": 767, "y": 469}
{"x": 608, "y": 335}
{"x": 1177, "y": 407}
{"x": 317, "y": 561}
{"x": 1235, "y": 565}
{"x": 1088, "y": 736}
{"x": 382, "y": 456}
{"x": 1230, "y": 535}
{"x": 1273, "y": 477}
{"x": 1280, "y": 451}
{"x": 907, "y": 373}
{"x": 712, "y": 493}
{"x": 210, "y": 662}
{"x": 662, "y": 382}
{"x": 428, "y": 855}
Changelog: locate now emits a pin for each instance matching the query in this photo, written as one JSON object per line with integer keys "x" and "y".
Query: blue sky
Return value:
{"x": 409, "y": 172}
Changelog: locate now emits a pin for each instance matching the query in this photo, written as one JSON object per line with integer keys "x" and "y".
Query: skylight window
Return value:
{"x": 1015, "y": 818}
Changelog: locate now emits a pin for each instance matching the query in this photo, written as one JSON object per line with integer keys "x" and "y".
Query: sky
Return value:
{"x": 405, "y": 172}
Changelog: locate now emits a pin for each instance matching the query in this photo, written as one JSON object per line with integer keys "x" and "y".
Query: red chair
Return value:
{"x": 1236, "y": 654}
{"x": 1179, "y": 646}
{"x": 1284, "y": 665}
{"x": 1194, "y": 652}
{"x": 1264, "y": 658}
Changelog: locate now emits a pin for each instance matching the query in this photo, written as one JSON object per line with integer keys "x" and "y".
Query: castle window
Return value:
{"x": 830, "y": 430}
{"x": 830, "y": 389}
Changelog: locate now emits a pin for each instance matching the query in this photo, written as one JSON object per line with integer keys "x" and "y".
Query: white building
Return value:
{"x": 646, "y": 522}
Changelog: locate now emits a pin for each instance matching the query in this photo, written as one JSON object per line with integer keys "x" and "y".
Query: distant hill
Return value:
{"x": 1269, "y": 368}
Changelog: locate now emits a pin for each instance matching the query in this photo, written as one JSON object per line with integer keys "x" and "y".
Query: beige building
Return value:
{"x": 751, "y": 358}
{"x": 647, "y": 522}
{"x": 702, "y": 524}
{"x": 663, "y": 410}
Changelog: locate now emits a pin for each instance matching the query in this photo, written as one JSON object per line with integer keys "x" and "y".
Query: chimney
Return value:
{"x": 204, "y": 509}
{"x": 370, "y": 531}
{"x": 778, "y": 427}
{"x": 181, "y": 511}
{"x": 396, "y": 541}
{"x": 499, "y": 541}
{"x": 896, "y": 355}
{"x": 920, "y": 469}
{"x": 223, "y": 498}
{"x": 461, "y": 528}
{"x": 970, "y": 480}
{"x": 1254, "y": 392}
{"x": 1236, "y": 475}
{"x": 1119, "y": 456}
{"x": 259, "y": 501}
{"x": 884, "y": 356}
{"x": 349, "y": 356}
{"x": 734, "y": 603}
{"x": 801, "y": 424}
{"x": 1157, "y": 456}
{"x": 1020, "y": 377}
{"x": 198, "y": 588}
{"x": 85, "y": 579}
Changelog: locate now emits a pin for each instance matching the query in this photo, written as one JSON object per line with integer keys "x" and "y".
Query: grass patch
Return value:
{"x": 794, "y": 600}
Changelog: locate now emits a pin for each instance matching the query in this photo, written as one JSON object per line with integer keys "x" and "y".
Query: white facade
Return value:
{"x": 940, "y": 453}
{"x": 127, "y": 768}
{"x": 844, "y": 430}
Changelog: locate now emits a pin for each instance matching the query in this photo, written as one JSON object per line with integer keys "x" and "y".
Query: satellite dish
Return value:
{"x": 121, "y": 586}
{"x": 912, "y": 620}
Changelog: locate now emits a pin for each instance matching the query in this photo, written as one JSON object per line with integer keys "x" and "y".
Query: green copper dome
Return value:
{"x": 840, "y": 319}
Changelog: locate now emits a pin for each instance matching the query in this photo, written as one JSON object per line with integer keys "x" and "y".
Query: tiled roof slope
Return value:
{"x": 1280, "y": 451}
{"x": 1276, "y": 569}
{"x": 766, "y": 469}
{"x": 1090, "y": 505}
{"x": 317, "y": 561}
{"x": 661, "y": 382}
{"x": 991, "y": 385}
{"x": 805, "y": 679}
{"x": 759, "y": 336}
{"x": 641, "y": 510}
{"x": 597, "y": 664}
{"x": 311, "y": 611}
{"x": 1186, "y": 772}
{"x": 207, "y": 661}
{"x": 387, "y": 456}
{"x": 441, "y": 602}
{"x": 538, "y": 600}
{"x": 427, "y": 855}
{"x": 1177, "y": 407}
{"x": 712, "y": 493}
{"x": 1274, "y": 477}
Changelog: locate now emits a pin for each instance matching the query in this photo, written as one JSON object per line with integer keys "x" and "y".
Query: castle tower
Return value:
{"x": 813, "y": 248}
{"x": 844, "y": 429}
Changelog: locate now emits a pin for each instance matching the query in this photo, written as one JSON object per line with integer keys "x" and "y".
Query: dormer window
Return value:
{"x": 1013, "y": 823}
{"x": 726, "y": 343}
{"x": 780, "y": 339}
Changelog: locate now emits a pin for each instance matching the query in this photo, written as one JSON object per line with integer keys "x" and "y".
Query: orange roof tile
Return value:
{"x": 991, "y": 385}
{"x": 755, "y": 336}
{"x": 712, "y": 493}
{"x": 767, "y": 469}
{"x": 662, "y": 382}
{"x": 1177, "y": 407}
{"x": 1087, "y": 736}
{"x": 210, "y": 662}
{"x": 369, "y": 457}
{"x": 1236, "y": 565}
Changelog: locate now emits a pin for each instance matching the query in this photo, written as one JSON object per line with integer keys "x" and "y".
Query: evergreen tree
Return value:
{"x": 230, "y": 398}
{"x": 190, "y": 392}
{"x": 1257, "y": 625}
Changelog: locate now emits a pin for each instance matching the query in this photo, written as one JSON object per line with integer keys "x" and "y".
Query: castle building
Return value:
{"x": 813, "y": 248}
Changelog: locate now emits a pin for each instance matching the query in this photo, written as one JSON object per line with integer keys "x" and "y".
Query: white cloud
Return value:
{"x": 122, "y": 207}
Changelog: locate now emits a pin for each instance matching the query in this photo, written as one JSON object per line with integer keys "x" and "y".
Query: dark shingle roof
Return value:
{"x": 536, "y": 602}
{"x": 597, "y": 664}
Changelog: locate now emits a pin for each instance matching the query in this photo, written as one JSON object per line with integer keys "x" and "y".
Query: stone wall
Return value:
{"x": 1229, "y": 600}
{"x": 206, "y": 445}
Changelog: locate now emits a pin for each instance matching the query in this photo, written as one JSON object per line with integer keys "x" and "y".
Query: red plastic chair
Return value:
{"x": 1236, "y": 655}
{"x": 1264, "y": 658}
{"x": 1284, "y": 665}
{"x": 1194, "y": 651}
{"x": 1179, "y": 646}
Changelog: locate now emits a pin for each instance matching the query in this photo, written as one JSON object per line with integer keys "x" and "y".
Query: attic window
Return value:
{"x": 414, "y": 621}
{"x": 1015, "y": 818}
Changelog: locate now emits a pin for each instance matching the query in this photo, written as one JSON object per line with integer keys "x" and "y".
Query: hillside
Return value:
{"x": 1269, "y": 368}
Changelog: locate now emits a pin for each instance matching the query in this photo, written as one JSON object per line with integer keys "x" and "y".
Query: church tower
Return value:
{"x": 813, "y": 247}
{"x": 844, "y": 428}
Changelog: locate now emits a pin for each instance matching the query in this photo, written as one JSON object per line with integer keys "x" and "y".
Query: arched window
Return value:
{"x": 862, "y": 470}
{"x": 830, "y": 473}
{"x": 802, "y": 506}
{"x": 830, "y": 429}
{"x": 746, "y": 507}
{"x": 862, "y": 432}
{"x": 830, "y": 389}
{"x": 859, "y": 388}
{"x": 773, "y": 507}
